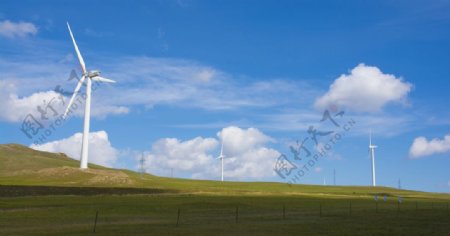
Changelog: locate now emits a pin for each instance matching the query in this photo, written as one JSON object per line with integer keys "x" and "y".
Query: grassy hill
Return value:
{"x": 45, "y": 193}
{"x": 20, "y": 165}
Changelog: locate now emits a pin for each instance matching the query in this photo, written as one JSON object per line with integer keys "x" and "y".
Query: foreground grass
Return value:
{"x": 216, "y": 215}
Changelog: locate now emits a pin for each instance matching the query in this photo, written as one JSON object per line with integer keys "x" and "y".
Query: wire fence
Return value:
{"x": 284, "y": 212}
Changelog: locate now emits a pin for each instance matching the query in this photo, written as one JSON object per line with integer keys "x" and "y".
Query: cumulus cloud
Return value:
{"x": 17, "y": 29}
{"x": 101, "y": 151}
{"x": 247, "y": 155}
{"x": 239, "y": 140}
{"x": 188, "y": 157}
{"x": 14, "y": 107}
{"x": 365, "y": 89}
{"x": 421, "y": 147}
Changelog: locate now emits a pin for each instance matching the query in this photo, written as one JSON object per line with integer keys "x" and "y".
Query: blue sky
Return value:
{"x": 257, "y": 73}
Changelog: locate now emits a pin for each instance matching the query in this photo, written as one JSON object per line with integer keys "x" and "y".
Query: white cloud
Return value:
{"x": 14, "y": 108}
{"x": 421, "y": 147}
{"x": 101, "y": 151}
{"x": 149, "y": 81}
{"x": 185, "y": 157}
{"x": 247, "y": 156}
{"x": 365, "y": 89}
{"x": 237, "y": 140}
{"x": 101, "y": 110}
{"x": 17, "y": 30}
{"x": 146, "y": 82}
{"x": 255, "y": 163}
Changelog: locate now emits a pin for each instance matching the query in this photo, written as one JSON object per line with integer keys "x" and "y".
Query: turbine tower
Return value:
{"x": 221, "y": 157}
{"x": 372, "y": 155}
{"x": 334, "y": 176}
{"x": 89, "y": 76}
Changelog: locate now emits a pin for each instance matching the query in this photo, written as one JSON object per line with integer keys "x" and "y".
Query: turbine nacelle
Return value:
{"x": 93, "y": 73}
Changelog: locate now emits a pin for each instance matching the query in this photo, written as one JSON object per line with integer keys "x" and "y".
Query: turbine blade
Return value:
{"x": 101, "y": 79}
{"x": 80, "y": 58}
{"x": 75, "y": 92}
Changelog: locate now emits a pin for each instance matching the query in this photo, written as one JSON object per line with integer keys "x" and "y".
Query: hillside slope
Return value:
{"x": 22, "y": 166}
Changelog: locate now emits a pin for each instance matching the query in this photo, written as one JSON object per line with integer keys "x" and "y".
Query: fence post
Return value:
{"x": 178, "y": 216}
{"x": 95, "y": 222}
{"x": 350, "y": 207}
{"x": 320, "y": 208}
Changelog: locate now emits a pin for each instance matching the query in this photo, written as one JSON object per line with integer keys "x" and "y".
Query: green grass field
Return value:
{"x": 40, "y": 194}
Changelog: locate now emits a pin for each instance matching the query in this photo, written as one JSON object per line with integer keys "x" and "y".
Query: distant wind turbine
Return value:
{"x": 372, "y": 155}
{"x": 221, "y": 157}
{"x": 334, "y": 176}
{"x": 90, "y": 76}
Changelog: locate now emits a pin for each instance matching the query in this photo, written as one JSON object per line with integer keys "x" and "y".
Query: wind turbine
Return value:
{"x": 89, "y": 76}
{"x": 334, "y": 176}
{"x": 221, "y": 157}
{"x": 372, "y": 155}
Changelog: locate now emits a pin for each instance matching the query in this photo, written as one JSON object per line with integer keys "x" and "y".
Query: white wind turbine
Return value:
{"x": 372, "y": 156}
{"x": 89, "y": 76}
{"x": 221, "y": 157}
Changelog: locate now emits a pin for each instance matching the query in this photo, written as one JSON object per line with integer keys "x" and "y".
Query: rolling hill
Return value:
{"x": 22, "y": 166}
